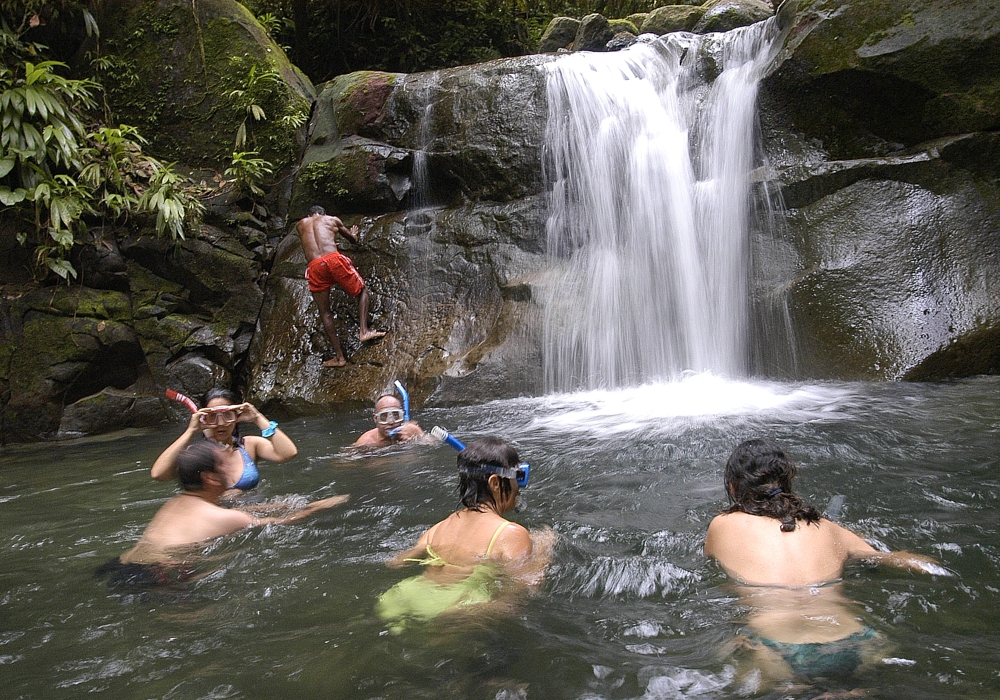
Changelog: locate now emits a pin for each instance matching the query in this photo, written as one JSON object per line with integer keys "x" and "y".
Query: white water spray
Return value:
{"x": 649, "y": 164}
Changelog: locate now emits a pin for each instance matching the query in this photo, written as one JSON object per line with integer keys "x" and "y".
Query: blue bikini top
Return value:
{"x": 250, "y": 476}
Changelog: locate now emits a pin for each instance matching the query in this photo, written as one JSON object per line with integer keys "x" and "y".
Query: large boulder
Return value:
{"x": 593, "y": 34}
{"x": 477, "y": 129}
{"x": 875, "y": 124}
{"x": 672, "y": 18}
{"x": 724, "y": 15}
{"x": 559, "y": 34}
{"x": 187, "y": 74}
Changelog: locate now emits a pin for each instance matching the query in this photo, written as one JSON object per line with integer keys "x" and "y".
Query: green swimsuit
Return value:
{"x": 420, "y": 599}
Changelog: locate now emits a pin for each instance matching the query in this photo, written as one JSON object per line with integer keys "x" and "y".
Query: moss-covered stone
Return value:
{"x": 559, "y": 34}
{"x": 622, "y": 25}
{"x": 725, "y": 15}
{"x": 177, "y": 65}
{"x": 672, "y": 18}
{"x": 637, "y": 19}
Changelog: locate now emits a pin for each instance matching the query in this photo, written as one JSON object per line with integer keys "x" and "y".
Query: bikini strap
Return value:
{"x": 493, "y": 539}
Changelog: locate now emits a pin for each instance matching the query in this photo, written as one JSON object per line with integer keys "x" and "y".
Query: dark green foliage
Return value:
{"x": 333, "y": 38}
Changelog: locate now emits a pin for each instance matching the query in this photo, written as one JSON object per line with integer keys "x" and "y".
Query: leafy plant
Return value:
{"x": 57, "y": 174}
{"x": 249, "y": 171}
{"x": 256, "y": 89}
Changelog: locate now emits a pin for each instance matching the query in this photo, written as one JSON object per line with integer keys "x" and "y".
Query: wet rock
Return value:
{"x": 724, "y": 15}
{"x": 559, "y": 34}
{"x": 621, "y": 41}
{"x": 110, "y": 407}
{"x": 448, "y": 284}
{"x": 892, "y": 267}
{"x": 672, "y": 18}
{"x": 593, "y": 33}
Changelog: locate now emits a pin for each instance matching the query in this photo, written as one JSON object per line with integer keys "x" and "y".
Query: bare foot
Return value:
{"x": 335, "y": 362}
{"x": 370, "y": 335}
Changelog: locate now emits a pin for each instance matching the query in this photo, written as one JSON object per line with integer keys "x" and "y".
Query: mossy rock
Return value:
{"x": 559, "y": 34}
{"x": 637, "y": 19}
{"x": 177, "y": 65}
{"x": 726, "y": 15}
{"x": 672, "y": 18}
{"x": 922, "y": 71}
{"x": 593, "y": 34}
{"x": 622, "y": 25}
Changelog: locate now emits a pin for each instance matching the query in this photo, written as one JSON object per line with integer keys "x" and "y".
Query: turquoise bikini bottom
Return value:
{"x": 838, "y": 658}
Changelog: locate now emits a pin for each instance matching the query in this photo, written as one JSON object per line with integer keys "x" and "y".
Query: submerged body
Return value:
{"x": 788, "y": 561}
{"x": 466, "y": 555}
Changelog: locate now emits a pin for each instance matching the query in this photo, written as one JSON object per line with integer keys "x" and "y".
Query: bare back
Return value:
{"x": 318, "y": 234}
{"x": 754, "y": 550}
{"x": 183, "y": 521}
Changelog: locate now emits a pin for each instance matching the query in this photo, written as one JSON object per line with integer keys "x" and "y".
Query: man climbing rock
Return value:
{"x": 326, "y": 267}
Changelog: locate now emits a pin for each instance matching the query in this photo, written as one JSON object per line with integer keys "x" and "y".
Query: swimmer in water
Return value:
{"x": 194, "y": 516}
{"x": 327, "y": 267}
{"x": 464, "y": 555}
{"x": 789, "y": 560}
{"x": 390, "y": 428}
{"x": 218, "y": 421}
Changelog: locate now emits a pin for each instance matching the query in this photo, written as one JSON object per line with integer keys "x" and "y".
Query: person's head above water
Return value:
{"x": 479, "y": 485}
{"x": 759, "y": 482}
{"x": 221, "y": 427}
{"x": 388, "y": 413}
{"x": 194, "y": 461}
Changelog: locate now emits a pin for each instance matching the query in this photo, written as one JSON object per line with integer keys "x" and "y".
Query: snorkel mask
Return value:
{"x": 521, "y": 473}
{"x": 406, "y": 409}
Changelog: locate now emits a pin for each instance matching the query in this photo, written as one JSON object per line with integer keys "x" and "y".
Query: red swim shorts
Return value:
{"x": 334, "y": 268}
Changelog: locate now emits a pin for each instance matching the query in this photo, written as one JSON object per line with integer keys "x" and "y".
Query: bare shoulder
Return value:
{"x": 514, "y": 542}
{"x": 850, "y": 541}
{"x": 368, "y": 439}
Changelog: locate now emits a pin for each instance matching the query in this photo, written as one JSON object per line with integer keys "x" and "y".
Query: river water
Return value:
{"x": 628, "y": 479}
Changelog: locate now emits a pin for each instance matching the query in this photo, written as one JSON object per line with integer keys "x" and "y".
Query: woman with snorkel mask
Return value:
{"x": 465, "y": 554}
{"x": 218, "y": 421}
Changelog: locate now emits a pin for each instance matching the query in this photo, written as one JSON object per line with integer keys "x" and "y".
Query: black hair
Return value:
{"x": 195, "y": 459}
{"x": 232, "y": 398}
{"x": 759, "y": 482}
{"x": 317, "y": 210}
{"x": 473, "y": 481}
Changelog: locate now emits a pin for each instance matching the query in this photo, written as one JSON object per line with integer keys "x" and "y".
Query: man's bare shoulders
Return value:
{"x": 370, "y": 438}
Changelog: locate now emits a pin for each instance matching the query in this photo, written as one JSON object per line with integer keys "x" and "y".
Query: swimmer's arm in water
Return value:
{"x": 531, "y": 568}
{"x": 165, "y": 466}
{"x": 416, "y": 551}
{"x": 857, "y": 548}
{"x": 410, "y": 431}
{"x": 301, "y": 514}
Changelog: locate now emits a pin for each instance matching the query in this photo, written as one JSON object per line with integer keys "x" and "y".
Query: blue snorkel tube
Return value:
{"x": 406, "y": 407}
{"x": 406, "y": 399}
{"x": 521, "y": 473}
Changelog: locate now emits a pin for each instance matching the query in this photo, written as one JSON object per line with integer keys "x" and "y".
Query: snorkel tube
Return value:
{"x": 181, "y": 398}
{"x": 406, "y": 399}
{"x": 406, "y": 407}
{"x": 444, "y": 436}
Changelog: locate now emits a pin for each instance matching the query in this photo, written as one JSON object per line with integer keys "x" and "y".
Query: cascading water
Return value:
{"x": 649, "y": 153}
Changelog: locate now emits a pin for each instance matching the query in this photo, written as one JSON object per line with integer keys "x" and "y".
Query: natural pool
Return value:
{"x": 629, "y": 480}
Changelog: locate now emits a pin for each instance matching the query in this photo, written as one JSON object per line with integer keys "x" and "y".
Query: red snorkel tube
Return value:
{"x": 181, "y": 398}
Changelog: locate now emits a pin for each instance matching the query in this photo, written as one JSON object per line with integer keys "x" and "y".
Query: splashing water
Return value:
{"x": 649, "y": 163}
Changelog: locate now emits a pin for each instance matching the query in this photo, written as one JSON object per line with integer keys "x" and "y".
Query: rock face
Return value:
{"x": 724, "y": 15}
{"x": 79, "y": 360}
{"x": 594, "y": 33}
{"x": 451, "y": 259}
{"x": 877, "y": 123}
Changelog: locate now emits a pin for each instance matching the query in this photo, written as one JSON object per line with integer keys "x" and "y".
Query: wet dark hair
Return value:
{"x": 759, "y": 482}
{"x": 317, "y": 210}
{"x": 231, "y": 398}
{"x": 192, "y": 461}
{"x": 473, "y": 484}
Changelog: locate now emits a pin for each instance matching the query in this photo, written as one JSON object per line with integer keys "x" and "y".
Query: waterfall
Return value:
{"x": 648, "y": 158}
